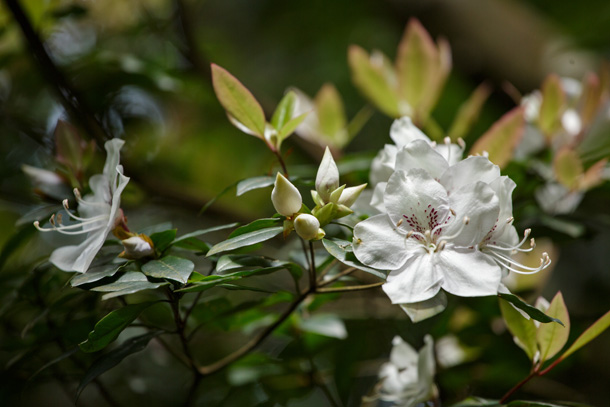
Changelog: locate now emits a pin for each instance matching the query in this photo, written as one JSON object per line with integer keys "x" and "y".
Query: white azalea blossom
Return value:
{"x": 99, "y": 213}
{"x": 449, "y": 230}
{"x": 408, "y": 378}
{"x": 308, "y": 227}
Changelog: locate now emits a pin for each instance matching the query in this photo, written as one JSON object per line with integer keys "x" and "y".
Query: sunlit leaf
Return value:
{"x": 331, "y": 114}
{"x": 238, "y": 101}
{"x": 290, "y": 127}
{"x": 114, "y": 357}
{"x": 524, "y": 330}
{"x": 108, "y": 328}
{"x": 553, "y": 105}
{"x": 256, "y": 225}
{"x": 502, "y": 138}
{"x": 551, "y": 338}
{"x": 284, "y": 110}
{"x": 372, "y": 78}
{"x": 533, "y": 312}
{"x": 246, "y": 239}
{"x": 169, "y": 267}
{"x": 417, "y": 65}
{"x": 568, "y": 168}
{"x": 469, "y": 112}
{"x": 589, "y": 334}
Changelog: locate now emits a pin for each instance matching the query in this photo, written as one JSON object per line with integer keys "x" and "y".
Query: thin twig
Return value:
{"x": 312, "y": 268}
{"x": 533, "y": 373}
{"x": 326, "y": 271}
{"x": 334, "y": 278}
{"x": 348, "y": 288}
{"x": 69, "y": 97}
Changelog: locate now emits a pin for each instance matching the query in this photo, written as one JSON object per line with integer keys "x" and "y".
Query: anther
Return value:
{"x": 452, "y": 211}
{"x": 510, "y": 220}
{"x": 447, "y": 141}
{"x": 461, "y": 143}
{"x": 399, "y": 223}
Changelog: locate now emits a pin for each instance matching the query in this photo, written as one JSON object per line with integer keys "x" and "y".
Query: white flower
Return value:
{"x": 451, "y": 230}
{"x": 286, "y": 197}
{"x": 408, "y": 378}
{"x": 137, "y": 247}
{"x": 99, "y": 214}
{"x": 308, "y": 227}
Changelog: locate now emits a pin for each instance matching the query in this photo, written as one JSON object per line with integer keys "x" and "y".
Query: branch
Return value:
{"x": 337, "y": 276}
{"x": 348, "y": 288}
{"x": 69, "y": 97}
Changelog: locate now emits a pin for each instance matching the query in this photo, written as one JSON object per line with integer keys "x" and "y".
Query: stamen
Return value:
{"x": 399, "y": 223}
{"x": 545, "y": 261}
{"x": 81, "y": 201}
{"x": 447, "y": 141}
{"x": 461, "y": 143}
{"x": 516, "y": 247}
{"x": 73, "y": 216}
{"x": 465, "y": 221}
{"x": 509, "y": 220}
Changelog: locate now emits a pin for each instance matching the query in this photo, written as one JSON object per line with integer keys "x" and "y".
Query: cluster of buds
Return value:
{"x": 332, "y": 201}
{"x": 136, "y": 245}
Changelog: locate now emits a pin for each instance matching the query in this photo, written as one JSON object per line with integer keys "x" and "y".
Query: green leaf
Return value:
{"x": 240, "y": 287}
{"x": 95, "y": 274}
{"x": 162, "y": 240}
{"x": 193, "y": 244}
{"x": 525, "y": 403}
{"x": 533, "y": 312}
{"x": 207, "y": 282}
{"x": 374, "y": 80}
{"x": 589, "y": 334}
{"x": 169, "y": 267}
{"x": 253, "y": 183}
{"x": 290, "y": 127}
{"x": 551, "y": 338}
{"x": 342, "y": 250}
{"x": 477, "y": 402}
{"x": 331, "y": 114}
{"x": 113, "y": 358}
{"x": 469, "y": 112}
{"x": 204, "y": 232}
{"x": 108, "y": 328}
{"x": 417, "y": 64}
{"x": 246, "y": 239}
{"x": 284, "y": 110}
{"x": 522, "y": 329}
{"x": 238, "y": 101}
{"x": 568, "y": 168}
{"x": 256, "y": 225}
{"x": 502, "y": 138}
{"x": 128, "y": 283}
{"x": 241, "y": 262}
{"x": 553, "y": 105}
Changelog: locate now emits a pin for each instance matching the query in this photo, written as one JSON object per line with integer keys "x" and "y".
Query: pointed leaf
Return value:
{"x": 238, "y": 101}
{"x": 589, "y": 334}
{"x": 553, "y": 105}
{"x": 253, "y": 183}
{"x": 162, "y": 240}
{"x": 469, "y": 112}
{"x": 331, "y": 114}
{"x": 533, "y": 312}
{"x": 524, "y": 330}
{"x": 204, "y": 232}
{"x": 568, "y": 168}
{"x": 207, "y": 282}
{"x": 113, "y": 358}
{"x": 551, "y": 338}
{"x": 284, "y": 110}
{"x": 256, "y": 225}
{"x": 371, "y": 77}
{"x": 593, "y": 176}
{"x": 342, "y": 250}
{"x": 246, "y": 239}
{"x": 290, "y": 127}
{"x": 108, "y": 328}
{"x": 502, "y": 138}
{"x": 169, "y": 267}
{"x": 590, "y": 99}
{"x": 417, "y": 65}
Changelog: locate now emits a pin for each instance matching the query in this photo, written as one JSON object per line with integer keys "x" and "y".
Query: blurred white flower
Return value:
{"x": 99, "y": 213}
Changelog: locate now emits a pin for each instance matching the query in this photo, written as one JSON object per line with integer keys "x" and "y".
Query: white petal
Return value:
{"x": 113, "y": 149}
{"x": 426, "y": 369}
{"x": 418, "y": 311}
{"x": 418, "y": 280}
{"x": 403, "y": 131}
{"x": 285, "y": 197}
{"x": 469, "y": 273}
{"x": 419, "y": 154}
{"x": 480, "y": 204}
{"x": 417, "y": 196}
{"x": 327, "y": 179}
{"x": 78, "y": 257}
{"x": 470, "y": 170}
{"x": 377, "y": 197}
{"x": 402, "y": 354}
{"x": 452, "y": 153}
{"x": 378, "y": 244}
{"x": 382, "y": 166}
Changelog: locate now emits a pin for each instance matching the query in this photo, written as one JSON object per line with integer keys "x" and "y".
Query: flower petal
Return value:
{"x": 378, "y": 244}
{"x": 480, "y": 204}
{"x": 113, "y": 149}
{"x": 382, "y": 166}
{"x": 418, "y": 280}
{"x": 467, "y": 171}
{"x": 417, "y": 196}
{"x": 418, "y": 311}
{"x": 469, "y": 273}
{"x": 403, "y": 131}
{"x": 419, "y": 154}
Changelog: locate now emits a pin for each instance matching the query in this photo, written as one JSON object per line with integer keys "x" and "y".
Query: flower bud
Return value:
{"x": 308, "y": 227}
{"x": 327, "y": 179}
{"x": 349, "y": 195}
{"x": 137, "y": 247}
{"x": 286, "y": 197}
